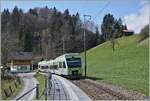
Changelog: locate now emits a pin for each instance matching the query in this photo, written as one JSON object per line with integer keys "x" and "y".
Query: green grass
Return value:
{"x": 41, "y": 79}
{"x": 127, "y": 66}
{"x": 5, "y": 85}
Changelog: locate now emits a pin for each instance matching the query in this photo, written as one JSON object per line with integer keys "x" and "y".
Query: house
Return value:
{"x": 128, "y": 32}
{"x": 20, "y": 61}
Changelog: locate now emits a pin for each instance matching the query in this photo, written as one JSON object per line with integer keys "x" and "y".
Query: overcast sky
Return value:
{"x": 135, "y": 13}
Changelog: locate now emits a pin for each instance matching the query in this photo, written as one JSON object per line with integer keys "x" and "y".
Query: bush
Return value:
{"x": 144, "y": 33}
{"x": 37, "y": 73}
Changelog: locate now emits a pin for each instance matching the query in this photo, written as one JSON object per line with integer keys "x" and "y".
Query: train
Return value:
{"x": 69, "y": 65}
{"x": 43, "y": 66}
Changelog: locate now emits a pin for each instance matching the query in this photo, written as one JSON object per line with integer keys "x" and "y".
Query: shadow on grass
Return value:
{"x": 93, "y": 78}
{"x": 88, "y": 77}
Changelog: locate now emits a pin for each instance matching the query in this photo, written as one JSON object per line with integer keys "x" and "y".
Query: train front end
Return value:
{"x": 74, "y": 66}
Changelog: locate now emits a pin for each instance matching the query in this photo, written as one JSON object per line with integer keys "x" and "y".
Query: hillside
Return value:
{"x": 127, "y": 66}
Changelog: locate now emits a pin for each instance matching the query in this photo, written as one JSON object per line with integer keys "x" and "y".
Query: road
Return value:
{"x": 29, "y": 83}
{"x": 63, "y": 89}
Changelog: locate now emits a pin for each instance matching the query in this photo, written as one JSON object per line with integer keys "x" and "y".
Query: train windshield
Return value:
{"x": 73, "y": 62}
{"x": 44, "y": 67}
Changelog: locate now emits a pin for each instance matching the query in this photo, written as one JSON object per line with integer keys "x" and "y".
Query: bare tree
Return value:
{"x": 10, "y": 42}
{"x": 113, "y": 38}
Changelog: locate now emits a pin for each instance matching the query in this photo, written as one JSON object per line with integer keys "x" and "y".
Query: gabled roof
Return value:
{"x": 20, "y": 56}
{"x": 128, "y": 31}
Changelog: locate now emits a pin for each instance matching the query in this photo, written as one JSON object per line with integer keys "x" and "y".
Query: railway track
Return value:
{"x": 57, "y": 91}
{"x": 98, "y": 92}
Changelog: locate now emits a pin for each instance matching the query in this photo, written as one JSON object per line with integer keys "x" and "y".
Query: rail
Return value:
{"x": 58, "y": 91}
{"x": 37, "y": 92}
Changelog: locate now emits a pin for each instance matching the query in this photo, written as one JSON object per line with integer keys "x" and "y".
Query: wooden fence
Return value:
{"x": 10, "y": 89}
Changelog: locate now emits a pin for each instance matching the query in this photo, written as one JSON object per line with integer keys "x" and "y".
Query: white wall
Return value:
{"x": 17, "y": 68}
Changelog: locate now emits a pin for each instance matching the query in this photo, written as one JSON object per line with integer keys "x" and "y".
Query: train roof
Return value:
{"x": 50, "y": 61}
{"x": 42, "y": 63}
{"x": 71, "y": 54}
{"x": 67, "y": 54}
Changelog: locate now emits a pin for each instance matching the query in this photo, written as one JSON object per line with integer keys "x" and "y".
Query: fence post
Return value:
{"x": 37, "y": 91}
{"x": 6, "y": 94}
{"x": 45, "y": 87}
{"x": 49, "y": 82}
{"x": 10, "y": 89}
{"x": 18, "y": 80}
{"x": 15, "y": 84}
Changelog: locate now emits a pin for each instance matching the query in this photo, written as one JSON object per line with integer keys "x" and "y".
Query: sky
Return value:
{"x": 134, "y": 13}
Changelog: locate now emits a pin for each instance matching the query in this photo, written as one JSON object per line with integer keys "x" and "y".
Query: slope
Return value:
{"x": 127, "y": 66}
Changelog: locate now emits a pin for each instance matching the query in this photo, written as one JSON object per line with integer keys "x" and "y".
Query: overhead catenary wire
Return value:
{"x": 100, "y": 11}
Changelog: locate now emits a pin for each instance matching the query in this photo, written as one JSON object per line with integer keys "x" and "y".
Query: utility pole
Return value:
{"x": 47, "y": 41}
{"x": 63, "y": 44}
{"x": 46, "y": 51}
{"x": 85, "y": 65}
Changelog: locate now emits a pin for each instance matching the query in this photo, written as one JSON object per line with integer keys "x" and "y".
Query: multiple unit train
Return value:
{"x": 43, "y": 66}
{"x": 67, "y": 65}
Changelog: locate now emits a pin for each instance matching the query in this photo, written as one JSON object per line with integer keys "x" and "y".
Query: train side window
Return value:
{"x": 64, "y": 65}
{"x": 57, "y": 66}
{"x": 60, "y": 65}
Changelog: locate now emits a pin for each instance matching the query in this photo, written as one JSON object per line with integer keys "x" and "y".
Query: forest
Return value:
{"x": 48, "y": 32}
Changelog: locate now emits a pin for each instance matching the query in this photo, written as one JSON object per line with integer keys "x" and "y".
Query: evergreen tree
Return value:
{"x": 5, "y": 18}
{"x": 111, "y": 27}
{"x": 16, "y": 17}
{"x": 28, "y": 45}
{"x": 124, "y": 27}
{"x": 120, "y": 28}
{"x": 66, "y": 14}
{"x": 106, "y": 27}
{"x": 97, "y": 36}
{"x": 33, "y": 12}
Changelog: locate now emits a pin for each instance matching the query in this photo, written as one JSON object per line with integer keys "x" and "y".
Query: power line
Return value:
{"x": 102, "y": 9}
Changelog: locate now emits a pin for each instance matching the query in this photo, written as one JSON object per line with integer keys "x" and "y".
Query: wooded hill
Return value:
{"x": 44, "y": 31}
{"x": 48, "y": 33}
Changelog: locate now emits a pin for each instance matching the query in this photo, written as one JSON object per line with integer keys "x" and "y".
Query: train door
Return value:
{"x": 64, "y": 68}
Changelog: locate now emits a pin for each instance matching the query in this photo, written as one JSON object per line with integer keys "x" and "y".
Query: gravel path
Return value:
{"x": 102, "y": 91}
{"x": 29, "y": 83}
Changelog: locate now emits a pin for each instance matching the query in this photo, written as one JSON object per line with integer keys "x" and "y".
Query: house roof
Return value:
{"x": 20, "y": 56}
{"x": 128, "y": 31}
